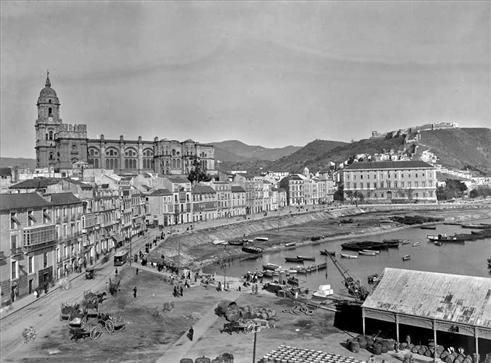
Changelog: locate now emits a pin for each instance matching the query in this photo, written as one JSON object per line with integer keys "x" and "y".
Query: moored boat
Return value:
{"x": 252, "y": 249}
{"x": 345, "y": 255}
{"x": 219, "y": 242}
{"x": 306, "y": 258}
{"x": 416, "y": 244}
{"x": 445, "y": 238}
{"x": 268, "y": 273}
{"x": 236, "y": 242}
{"x": 294, "y": 259}
{"x": 261, "y": 239}
{"x": 437, "y": 243}
{"x": 364, "y": 245}
{"x": 367, "y": 253}
{"x": 392, "y": 243}
{"x": 406, "y": 258}
{"x": 427, "y": 227}
{"x": 271, "y": 266}
{"x": 290, "y": 244}
{"x": 322, "y": 266}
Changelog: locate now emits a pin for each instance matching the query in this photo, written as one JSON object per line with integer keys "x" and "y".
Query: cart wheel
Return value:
{"x": 96, "y": 333}
{"x": 109, "y": 326}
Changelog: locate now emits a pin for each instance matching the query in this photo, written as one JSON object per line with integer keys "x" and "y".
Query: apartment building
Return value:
{"x": 206, "y": 203}
{"x": 390, "y": 182}
{"x": 239, "y": 204}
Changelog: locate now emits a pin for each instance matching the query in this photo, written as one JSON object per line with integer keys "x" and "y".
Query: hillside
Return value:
{"x": 457, "y": 148}
{"x": 234, "y": 150}
{"x": 20, "y": 162}
{"x": 460, "y": 147}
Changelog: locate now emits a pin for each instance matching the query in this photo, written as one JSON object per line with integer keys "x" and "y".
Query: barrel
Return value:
{"x": 186, "y": 360}
{"x": 362, "y": 340}
{"x": 377, "y": 348}
{"x": 385, "y": 346}
{"x": 354, "y": 346}
{"x": 202, "y": 359}
{"x": 460, "y": 359}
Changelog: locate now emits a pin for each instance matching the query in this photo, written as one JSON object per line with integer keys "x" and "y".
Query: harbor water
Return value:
{"x": 466, "y": 258}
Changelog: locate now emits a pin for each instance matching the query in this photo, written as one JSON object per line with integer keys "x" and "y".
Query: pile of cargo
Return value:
{"x": 233, "y": 312}
{"x": 375, "y": 345}
{"x": 447, "y": 355}
{"x": 223, "y": 358}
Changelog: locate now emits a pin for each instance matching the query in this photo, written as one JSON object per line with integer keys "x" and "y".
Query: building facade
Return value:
{"x": 59, "y": 146}
{"x": 390, "y": 182}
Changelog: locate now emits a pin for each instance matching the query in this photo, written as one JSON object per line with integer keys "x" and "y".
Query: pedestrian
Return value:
{"x": 180, "y": 292}
{"x": 190, "y": 333}
{"x": 137, "y": 270}
{"x": 36, "y": 294}
{"x": 134, "y": 292}
{"x": 116, "y": 271}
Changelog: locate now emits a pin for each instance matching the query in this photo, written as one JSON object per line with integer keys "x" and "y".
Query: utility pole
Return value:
{"x": 254, "y": 346}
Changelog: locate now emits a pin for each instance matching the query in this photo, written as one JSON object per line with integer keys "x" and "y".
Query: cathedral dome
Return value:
{"x": 48, "y": 94}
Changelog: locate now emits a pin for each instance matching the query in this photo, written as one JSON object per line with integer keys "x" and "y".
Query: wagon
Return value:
{"x": 68, "y": 312}
{"x": 238, "y": 326}
{"x": 94, "y": 332}
{"x": 111, "y": 323}
{"x": 89, "y": 273}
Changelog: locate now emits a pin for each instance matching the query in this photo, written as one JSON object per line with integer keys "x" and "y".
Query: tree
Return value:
{"x": 197, "y": 173}
{"x": 350, "y": 195}
{"x": 359, "y": 196}
{"x": 339, "y": 194}
{"x": 452, "y": 189}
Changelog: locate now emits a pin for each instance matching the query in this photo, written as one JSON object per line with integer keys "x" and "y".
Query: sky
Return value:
{"x": 272, "y": 73}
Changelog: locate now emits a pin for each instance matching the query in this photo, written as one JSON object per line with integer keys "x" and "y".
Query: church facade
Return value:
{"x": 60, "y": 146}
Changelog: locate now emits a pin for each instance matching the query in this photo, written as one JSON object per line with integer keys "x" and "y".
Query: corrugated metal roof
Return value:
{"x": 22, "y": 201}
{"x": 454, "y": 298}
{"x": 64, "y": 198}
{"x": 403, "y": 164}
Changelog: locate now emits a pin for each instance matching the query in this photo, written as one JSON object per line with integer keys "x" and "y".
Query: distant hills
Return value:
{"x": 459, "y": 148}
{"x": 234, "y": 150}
{"x": 20, "y": 162}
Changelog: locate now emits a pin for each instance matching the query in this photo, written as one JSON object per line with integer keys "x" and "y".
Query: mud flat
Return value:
{"x": 196, "y": 250}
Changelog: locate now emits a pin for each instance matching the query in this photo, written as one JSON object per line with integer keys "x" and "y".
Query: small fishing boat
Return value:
{"x": 268, "y": 273}
{"x": 294, "y": 259}
{"x": 290, "y": 244}
{"x": 306, "y": 258}
{"x": 372, "y": 251}
{"x": 445, "y": 238}
{"x": 405, "y": 242}
{"x": 252, "y": 249}
{"x": 437, "y": 243}
{"x": 261, "y": 239}
{"x": 406, "y": 258}
{"x": 322, "y": 266}
{"x": 328, "y": 253}
{"x": 427, "y": 227}
{"x": 292, "y": 271}
{"x": 345, "y": 255}
{"x": 367, "y": 253}
{"x": 323, "y": 292}
{"x": 416, "y": 244}
{"x": 220, "y": 242}
{"x": 271, "y": 266}
{"x": 302, "y": 270}
{"x": 364, "y": 245}
{"x": 236, "y": 242}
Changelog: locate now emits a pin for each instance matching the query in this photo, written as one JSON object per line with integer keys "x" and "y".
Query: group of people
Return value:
{"x": 253, "y": 278}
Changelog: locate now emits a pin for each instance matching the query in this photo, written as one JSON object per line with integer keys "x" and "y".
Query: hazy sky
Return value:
{"x": 273, "y": 74}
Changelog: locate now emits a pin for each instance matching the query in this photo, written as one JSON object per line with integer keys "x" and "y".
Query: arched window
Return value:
{"x": 126, "y": 163}
{"x": 107, "y": 163}
{"x": 49, "y": 101}
{"x": 50, "y": 111}
{"x": 96, "y": 163}
{"x": 51, "y": 135}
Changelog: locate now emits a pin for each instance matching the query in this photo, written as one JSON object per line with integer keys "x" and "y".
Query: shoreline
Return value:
{"x": 197, "y": 259}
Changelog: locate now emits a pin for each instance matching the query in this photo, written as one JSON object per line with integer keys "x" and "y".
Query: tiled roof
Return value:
{"x": 405, "y": 164}
{"x": 178, "y": 179}
{"x": 432, "y": 295}
{"x": 160, "y": 192}
{"x": 36, "y": 183}
{"x": 22, "y": 201}
{"x": 64, "y": 198}
{"x": 203, "y": 189}
{"x": 5, "y": 172}
{"x": 237, "y": 189}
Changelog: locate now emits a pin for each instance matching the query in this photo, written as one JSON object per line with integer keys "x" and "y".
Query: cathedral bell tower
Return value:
{"x": 47, "y": 125}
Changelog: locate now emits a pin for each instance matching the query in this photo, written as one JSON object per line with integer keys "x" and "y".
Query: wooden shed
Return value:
{"x": 443, "y": 302}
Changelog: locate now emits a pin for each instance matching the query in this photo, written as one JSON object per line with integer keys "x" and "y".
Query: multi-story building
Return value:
{"x": 239, "y": 203}
{"x": 294, "y": 186}
{"x": 180, "y": 187}
{"x": 390, "y": 182}
{"x": 67, "y": 213}
{"x": 161, "y": 207}
{"x": 61, "y": 146}
{"x": 205, "y": 203}
{"x": 108, "y": 208}
{"x": 27, "y": 242}
{"x": 224, "y": 198}
{"x": 6, "y": 178}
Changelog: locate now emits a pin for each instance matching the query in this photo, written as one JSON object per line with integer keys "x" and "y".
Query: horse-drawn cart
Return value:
{"x": 69, "y": 312}
{"x": 80, "y": 330}
{"x": 111, "y": 323}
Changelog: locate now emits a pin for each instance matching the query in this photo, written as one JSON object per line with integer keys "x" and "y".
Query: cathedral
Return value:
{"x": 60, "y": 146}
